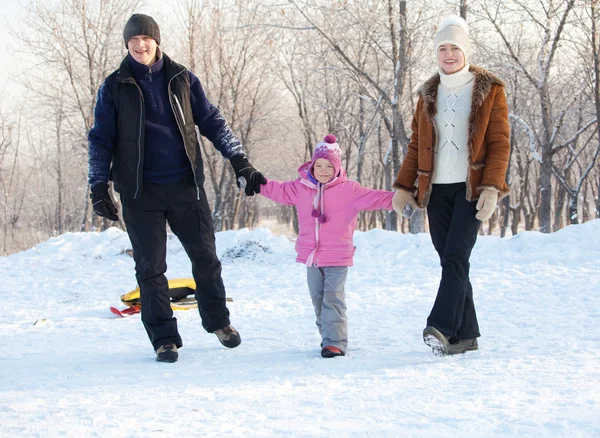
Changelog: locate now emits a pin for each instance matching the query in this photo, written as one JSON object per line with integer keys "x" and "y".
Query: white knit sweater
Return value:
{"x": 452, "y": 123}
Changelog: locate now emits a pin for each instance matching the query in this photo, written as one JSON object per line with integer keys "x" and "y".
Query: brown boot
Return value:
{"x": 463, "y": 345}
{"x": 436, "y": 340}
{"x": 228, "y": 336}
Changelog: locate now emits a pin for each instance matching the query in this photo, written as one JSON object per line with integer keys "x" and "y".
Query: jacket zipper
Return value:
{"x": 429, "y": 189}
{"x": 317, "y": 227}
{"x": 180, "y": 125}
{"x": 137, "y": 179}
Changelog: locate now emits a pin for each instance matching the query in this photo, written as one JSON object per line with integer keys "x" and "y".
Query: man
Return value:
{"x": 144, "y": 139}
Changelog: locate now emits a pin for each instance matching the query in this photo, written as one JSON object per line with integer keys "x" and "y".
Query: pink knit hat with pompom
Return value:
{"x": 329, "y": 150}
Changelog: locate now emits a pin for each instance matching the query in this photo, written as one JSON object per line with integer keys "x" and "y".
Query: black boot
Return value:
{"x": 167, "y": 353}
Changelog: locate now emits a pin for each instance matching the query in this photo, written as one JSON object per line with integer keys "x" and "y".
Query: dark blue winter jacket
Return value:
{"x": 145, "y": 127}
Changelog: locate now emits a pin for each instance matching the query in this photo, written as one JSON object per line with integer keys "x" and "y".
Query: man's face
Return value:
{"x": 143, "y": 49}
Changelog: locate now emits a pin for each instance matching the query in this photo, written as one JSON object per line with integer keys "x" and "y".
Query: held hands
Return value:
{"x": 401, "y": 200}
{"x": 486, "y": 204}
{"x": 246, "y": 176}
{"x": 102, "y": 203}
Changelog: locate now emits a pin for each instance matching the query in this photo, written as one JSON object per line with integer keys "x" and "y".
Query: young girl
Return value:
{"x": 327, "y": 204}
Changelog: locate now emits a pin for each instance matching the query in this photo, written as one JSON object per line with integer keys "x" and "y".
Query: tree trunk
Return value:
{"x": 514, "y": 227}
{"x": 573, "y": 215}
{"x": 558, "y": 208}
{"x": 391, "y": 218}
{"x": 463, "y": 9}
{"x": 598, "y": 200}
{"x": 596, "y": 53}
{"x": 585, "y": 211}
{"x": 505, "y": 216}
{"x": 295, "y": 222}
{"x": 60, "y": 207}
{"x": 529, "y": 222}
{"x": 508, "y": 177}
{"x": 362, "y": 135}
{"x": 546, "y": 190}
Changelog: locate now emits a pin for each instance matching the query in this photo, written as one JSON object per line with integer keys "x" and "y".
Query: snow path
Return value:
{"x": 86, "y": 373}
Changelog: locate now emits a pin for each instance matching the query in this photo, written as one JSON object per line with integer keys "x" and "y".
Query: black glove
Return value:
{"x": 246, "y": 176}
{"x": 102, "y": 203}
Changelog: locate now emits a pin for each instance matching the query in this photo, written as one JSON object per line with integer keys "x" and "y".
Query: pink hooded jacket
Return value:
{"x": 326, "y": 240}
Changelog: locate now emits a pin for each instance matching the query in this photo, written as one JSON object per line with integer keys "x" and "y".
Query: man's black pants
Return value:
{"x": 190, "y": 220}
{"x": 453, "y": 228}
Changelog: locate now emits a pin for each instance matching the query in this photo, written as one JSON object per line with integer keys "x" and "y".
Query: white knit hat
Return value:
{"x": 453, "y": 30}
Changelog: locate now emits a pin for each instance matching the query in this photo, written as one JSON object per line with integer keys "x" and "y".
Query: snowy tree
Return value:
{"x": 548, "y": 20}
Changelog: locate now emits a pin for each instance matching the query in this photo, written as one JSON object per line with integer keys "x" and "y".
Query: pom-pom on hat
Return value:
{"x": 329, "y": 150}
{"x": 140, "y": 24}
{"x": 453, "y": 30}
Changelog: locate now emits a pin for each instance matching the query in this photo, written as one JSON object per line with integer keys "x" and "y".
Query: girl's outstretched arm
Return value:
{"x": 283, "y": 192}
{"x": 365, "y": 198}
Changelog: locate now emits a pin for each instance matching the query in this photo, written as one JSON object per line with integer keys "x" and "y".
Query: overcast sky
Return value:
{"x": 8, "y": 13}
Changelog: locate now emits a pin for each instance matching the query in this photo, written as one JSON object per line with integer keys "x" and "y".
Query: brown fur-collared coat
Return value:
{"x": 488, "y": 143}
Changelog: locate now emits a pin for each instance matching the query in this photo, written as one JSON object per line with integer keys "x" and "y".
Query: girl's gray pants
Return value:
{"x": 326, "y": 286}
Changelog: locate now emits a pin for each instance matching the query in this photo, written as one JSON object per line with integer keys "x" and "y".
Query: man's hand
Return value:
{"x": 401, "y": 199}
{"x": 246, "y": 176}
{"x": 102, "y": 203}
{"x": 486, "y": 204}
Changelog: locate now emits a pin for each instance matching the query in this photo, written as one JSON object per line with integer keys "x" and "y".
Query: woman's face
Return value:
{"x": 450, "y": 58}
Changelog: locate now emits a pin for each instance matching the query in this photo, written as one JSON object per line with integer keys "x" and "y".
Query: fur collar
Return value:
{"x": 482, "y": 85}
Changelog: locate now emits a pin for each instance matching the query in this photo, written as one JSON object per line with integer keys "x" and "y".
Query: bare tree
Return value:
{"x": 283, "y": 74}
{"x": 594, "y": 13}
{"x": 88, "y": 45}
{"x": 388, "y": 88}
{"x": 296, "y": 76}
{"x": 6, "y": 140}
{"x": 13, "y": 181}
{"x": 231, "y": 55}
{"x": 549, "y": 19}
{"x": 563, "y": 174}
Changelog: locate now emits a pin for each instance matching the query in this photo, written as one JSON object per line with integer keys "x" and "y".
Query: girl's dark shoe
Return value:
{"x": 436, "y": 340}
{"x": 330, "y": 351}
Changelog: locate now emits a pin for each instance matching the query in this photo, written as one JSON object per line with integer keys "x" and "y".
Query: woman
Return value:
{"x": 455, "y": 167}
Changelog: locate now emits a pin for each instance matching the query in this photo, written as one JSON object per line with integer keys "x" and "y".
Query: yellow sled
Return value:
{"x": 179, "y": 291}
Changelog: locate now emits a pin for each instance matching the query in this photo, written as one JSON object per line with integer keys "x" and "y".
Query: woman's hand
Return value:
{"x": 401, "y": 199}
{"x": 486, "y": 204}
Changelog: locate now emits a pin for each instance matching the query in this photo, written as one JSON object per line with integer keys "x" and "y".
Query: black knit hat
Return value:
{"x": 140, "y": 24}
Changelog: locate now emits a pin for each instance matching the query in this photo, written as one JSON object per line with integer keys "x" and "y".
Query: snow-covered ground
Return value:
{"x": 85, "y": 372}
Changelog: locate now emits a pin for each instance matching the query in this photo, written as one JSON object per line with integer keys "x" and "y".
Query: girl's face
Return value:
{"x": 450, "y": 58}
{"x": 323, "y": 170}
